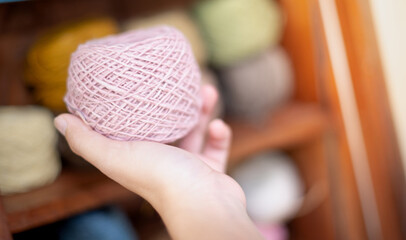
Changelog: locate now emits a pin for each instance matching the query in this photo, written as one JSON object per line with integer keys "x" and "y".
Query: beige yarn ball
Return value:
{"x": 179, "y": 19}
{"x": 210, "y": 78}
{"x": 258, "y": 86}
{"x": 28, "y": 155}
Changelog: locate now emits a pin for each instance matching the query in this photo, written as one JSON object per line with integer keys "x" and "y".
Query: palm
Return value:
{"x": 141, "y": 166}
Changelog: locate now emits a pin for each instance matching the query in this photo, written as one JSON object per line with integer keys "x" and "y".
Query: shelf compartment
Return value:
{"x": 73, "y": 192}
{"x": 291, "y": 125}
{"x": 76, "y": 191}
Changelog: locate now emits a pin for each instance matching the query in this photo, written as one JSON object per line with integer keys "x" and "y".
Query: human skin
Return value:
{"x": 185, "y": 184}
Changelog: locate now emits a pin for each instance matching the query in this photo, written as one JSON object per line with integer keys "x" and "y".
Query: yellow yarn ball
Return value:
{"x": 51, "y": 96}
{"x": 238, "y": 29}
{"x": 180, "y": 20}
{"x": 49, "y": 57}
{"x": 28, "y": 155}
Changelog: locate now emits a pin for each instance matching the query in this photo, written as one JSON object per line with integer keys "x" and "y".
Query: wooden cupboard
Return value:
{"x": 313, "y": 128}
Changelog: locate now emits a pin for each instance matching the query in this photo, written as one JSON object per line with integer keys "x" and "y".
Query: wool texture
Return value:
{"x": 272, "y": 186}
{"x": 48, "y": 58}
{"x": 258, "y": 86}
{"x": 237, "y": 29}
{"x": 28, "y": 155}
{"x": 139, "y": 85}
{"x": 179, "y": 19}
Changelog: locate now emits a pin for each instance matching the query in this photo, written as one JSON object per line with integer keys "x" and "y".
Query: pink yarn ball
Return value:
{"x": 273, "y": 232}
{"x": 139, "y": 85}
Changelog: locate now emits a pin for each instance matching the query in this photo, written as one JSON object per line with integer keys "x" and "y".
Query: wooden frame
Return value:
{"x": 377, "y": 128}
{"x": 375, "y": 113}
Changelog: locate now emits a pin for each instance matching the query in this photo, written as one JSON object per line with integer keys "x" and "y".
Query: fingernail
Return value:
{"x": 60, "y": 124}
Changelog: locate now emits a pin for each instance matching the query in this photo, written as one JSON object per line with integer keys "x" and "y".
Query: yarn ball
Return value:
{"x": 210, "y": 78}
{"x": 273, "y": 231}
{"x": 48, "y": 59}
{"x": 139, "y": 85}
{"x": 272, "y": 186}
{"x": 258, "y": 86}
{"x": 28, "y": 156}
{"x": 179, "y": 19}
{"x": 237, "y": 29}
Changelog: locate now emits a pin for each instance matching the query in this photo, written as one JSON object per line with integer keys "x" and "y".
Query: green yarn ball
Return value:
{"x": 238, "y": 29}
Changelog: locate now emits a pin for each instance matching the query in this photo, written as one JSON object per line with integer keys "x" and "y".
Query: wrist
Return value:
{"x": 211, "y": 188}
{"x": 213, "y": 210}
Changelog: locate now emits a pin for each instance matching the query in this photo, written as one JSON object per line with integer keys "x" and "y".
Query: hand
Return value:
{"x": 171, "y": 178}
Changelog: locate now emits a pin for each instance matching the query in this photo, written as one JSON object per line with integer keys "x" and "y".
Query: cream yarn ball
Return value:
{"x": 179, "y": 19}
{"x": 28, "y": 151}
{"x": 272, "y": 187}
{"x": 141, "y": 85}
{"x": 237, "y": 29}
{"x": 259, "y": 85}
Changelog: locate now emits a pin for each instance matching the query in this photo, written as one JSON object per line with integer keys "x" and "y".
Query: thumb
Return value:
{"x": 87, "y": 143}
{"x": 217, "y": 146}
{"x": 137, "y": 165}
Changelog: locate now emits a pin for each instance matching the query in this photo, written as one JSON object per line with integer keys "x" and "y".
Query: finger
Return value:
{"x": 193, "y": 142}
{"x": 87, "y": 143}
{"x": 128, "y": 163}
{"x": 217, "y": 145}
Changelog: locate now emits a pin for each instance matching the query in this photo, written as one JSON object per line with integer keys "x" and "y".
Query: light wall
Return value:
{"x": 390, "y": 24}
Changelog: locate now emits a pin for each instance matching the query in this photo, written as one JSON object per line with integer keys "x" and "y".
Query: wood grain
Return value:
{"x": 73, "y": 192}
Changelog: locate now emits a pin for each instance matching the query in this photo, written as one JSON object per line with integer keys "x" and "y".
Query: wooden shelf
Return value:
{"x": 74, "y": 191}
{"x": 291, "y": 125}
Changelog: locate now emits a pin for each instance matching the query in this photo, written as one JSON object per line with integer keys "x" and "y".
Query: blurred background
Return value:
{"x": 312, "y": 89}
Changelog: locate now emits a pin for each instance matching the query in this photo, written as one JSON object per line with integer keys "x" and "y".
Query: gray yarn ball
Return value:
{"x": 259, "y": 85}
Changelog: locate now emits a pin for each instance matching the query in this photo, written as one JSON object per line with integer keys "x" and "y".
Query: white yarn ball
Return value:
{"x": 272, "y": 187}
{"x": 28, "y": 153}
